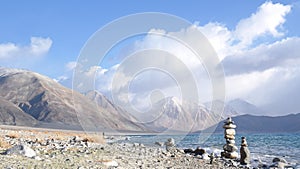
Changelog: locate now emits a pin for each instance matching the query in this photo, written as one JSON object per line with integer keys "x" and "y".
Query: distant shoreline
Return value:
{"x": 128, "y": 133}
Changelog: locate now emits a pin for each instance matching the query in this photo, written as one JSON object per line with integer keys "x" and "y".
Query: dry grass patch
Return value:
{"x": 93, "y": 137}
{"x": 42, "y": 134}
{"x": 12, "y": 135}
{"x": 4, "y": 144}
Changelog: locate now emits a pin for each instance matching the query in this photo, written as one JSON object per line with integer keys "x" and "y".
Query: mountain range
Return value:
{"x": 37, "y": 100}
{"x": 173, "y": 115}
{"x": 30, "y": 99}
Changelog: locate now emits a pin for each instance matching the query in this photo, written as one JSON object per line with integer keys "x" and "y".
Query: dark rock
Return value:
{"x": 211, "y": 157}
{"x": 276, "y": 159}
{"x": 188, "y": 151}
{"x": 199, "y": 151}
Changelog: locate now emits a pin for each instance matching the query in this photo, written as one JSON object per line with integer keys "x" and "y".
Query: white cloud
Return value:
{"x": 170, "y": 64}
{"x": 268, "y": 18}
{"x": 283, "y": 53}
{"x": 275, "y": 89}
{"x": 38, "y": 47}
{"x": 7, "y": 50}
{"x": 71, "y": 65}
{"x": 242, "y": 85}
{"x": 220, "y": 38}
{"x": 260, "y": 73}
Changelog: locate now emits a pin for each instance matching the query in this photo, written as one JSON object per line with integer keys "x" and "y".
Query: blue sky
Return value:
{"x": 61, "y": 29}
{"x": 70, "y": 23}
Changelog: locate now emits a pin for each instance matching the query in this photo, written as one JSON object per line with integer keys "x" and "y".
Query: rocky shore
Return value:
{"x": 57, "y": 149}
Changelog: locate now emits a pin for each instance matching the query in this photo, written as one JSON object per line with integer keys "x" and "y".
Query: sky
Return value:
{"x": 257, "y": 43}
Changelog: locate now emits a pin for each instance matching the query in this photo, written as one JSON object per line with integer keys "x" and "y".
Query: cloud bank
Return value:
{"x": 264, "y": 72}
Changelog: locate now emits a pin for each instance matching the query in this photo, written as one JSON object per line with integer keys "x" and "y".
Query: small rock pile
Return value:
{"x": 230, "y": 150}
{"x": 245, "y": 153}
{"x": 170, "y": 145}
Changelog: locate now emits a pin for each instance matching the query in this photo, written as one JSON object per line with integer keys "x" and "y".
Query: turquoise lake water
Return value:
{"x": 263, "y": 147}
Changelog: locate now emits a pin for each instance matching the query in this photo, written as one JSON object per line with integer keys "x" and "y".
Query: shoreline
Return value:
{"x": 43, "y": 149}
{"x": 75, "y": 149}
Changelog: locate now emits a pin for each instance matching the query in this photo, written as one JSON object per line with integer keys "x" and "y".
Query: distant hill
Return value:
{"x": 265, "y": 124}
{"x": 244, "y": 107}
{"x": 52, "y": 104}
{"x": 173, "y": 115}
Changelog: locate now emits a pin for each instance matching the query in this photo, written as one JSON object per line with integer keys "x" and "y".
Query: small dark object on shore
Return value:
{"x": 199, "y": 151}
{"x": 211, "y": 157}
{"x": 188, "y": 151}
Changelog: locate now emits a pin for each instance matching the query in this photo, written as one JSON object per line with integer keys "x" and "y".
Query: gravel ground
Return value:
{"x": 45, "y": 149}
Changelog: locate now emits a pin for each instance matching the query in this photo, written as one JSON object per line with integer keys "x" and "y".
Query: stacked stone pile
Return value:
{"x": 245, "y": 153}
{"x": 230, "y": 150}
{"x": 170, "y": 145}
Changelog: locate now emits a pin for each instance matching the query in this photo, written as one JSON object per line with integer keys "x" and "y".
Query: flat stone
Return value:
{"x": 229, "y": 126}
{"x": 231, "y": 155}
{"x": 230, "y": 137}
{"x": 38, "y": 158}
{"x": 110, "y": 163}
{"x": 21, "y": 150}
{"x": 229, "y": 131}
{"x": 205, "y": 156}
{"x": 230, "y": 141}
{"x": 230, "y": 147}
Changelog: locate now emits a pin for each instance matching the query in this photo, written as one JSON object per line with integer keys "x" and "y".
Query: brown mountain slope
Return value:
{"x": 120, "y": 114}
{"x": 11, "y": 114}
{"x": 48, "y": 101}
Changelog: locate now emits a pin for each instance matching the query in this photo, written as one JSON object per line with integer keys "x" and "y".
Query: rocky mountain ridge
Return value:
{"x": 31, "y": 99}
{"x": 49, "y": 102}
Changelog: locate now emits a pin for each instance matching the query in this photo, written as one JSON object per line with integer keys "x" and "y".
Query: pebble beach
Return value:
{"x": 67, "y": 149}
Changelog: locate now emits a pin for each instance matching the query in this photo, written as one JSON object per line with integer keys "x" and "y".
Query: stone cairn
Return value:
{"x": 170, "y": 145}
{"x": 245, "y": 153}
{"x": 230, "y": 150}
